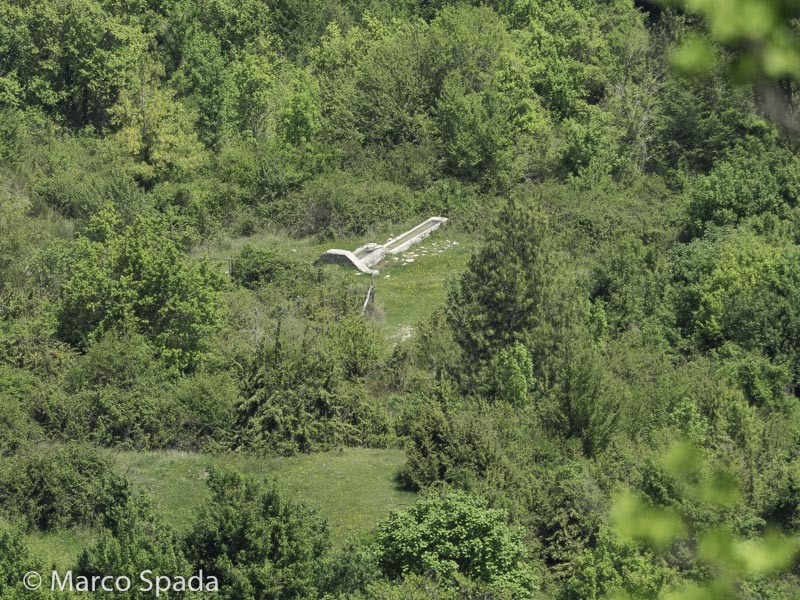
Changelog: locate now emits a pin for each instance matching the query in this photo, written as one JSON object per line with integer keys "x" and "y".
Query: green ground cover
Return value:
{"x": 413, "y": 284}
{"x": 353, "y": 489}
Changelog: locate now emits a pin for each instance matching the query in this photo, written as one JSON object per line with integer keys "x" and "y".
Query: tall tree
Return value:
{"x": 503, "y": 293}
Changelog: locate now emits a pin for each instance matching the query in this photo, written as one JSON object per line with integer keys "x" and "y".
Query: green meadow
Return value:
{"x": 353, "y": 488}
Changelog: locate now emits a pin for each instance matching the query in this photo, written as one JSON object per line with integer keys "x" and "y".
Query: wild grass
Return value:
{"x": 354, "y": 489}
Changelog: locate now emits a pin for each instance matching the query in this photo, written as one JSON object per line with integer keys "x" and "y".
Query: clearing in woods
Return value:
{"x": 354, "y": 489}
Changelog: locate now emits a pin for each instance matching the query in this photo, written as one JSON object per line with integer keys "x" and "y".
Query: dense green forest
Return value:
{"x": 585, "y": 386}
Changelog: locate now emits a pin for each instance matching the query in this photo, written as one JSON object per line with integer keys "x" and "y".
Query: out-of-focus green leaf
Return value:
{"x": 634, "y": 520}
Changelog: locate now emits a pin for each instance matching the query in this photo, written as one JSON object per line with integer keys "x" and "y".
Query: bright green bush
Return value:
{"x": 138, "y": 278}
{"x": 455, "y": 533}
{"x": 751, "y": 181}
{"x": 616, "y": 567}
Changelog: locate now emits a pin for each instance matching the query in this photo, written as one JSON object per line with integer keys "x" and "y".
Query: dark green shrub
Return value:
{"x": 50, "y": 487}
{"x": 206, "y": 405}
{"x": 17, "y": 428}
{"x": 356, "y": 345}
{"x": 135, "y": 539}
{"x": 352, "y": 569}
{"x": 259, "y": 544}
{"x": 121, "y": 394}
{"x": 507, "y": 287}
{"x": 446, "y": 441}
{"x": 257, "y": 267}
{"x": 15, "y": 561}
{"x": 296, "y": 398}
{"x": 347, "y": 205}
{"x": 118, "y": 394}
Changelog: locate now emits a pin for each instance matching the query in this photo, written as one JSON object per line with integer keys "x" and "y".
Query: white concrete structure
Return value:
{"x": 369, "y": 255}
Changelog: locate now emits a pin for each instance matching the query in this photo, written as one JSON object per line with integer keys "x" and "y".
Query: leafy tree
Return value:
{"x": 471, "y": 134}
{"x": 139, "y": 278}
{"x": 391, "y": 92}
{"x": 740, "y": 288}
{"x": 203, "y": 76}
{"x": 73, "y": 58}
{"x": 455, "y": 533}
{"x": 156, "y": 128}
{"x": 702, "y": 119}
{"x": 750, "y": 182}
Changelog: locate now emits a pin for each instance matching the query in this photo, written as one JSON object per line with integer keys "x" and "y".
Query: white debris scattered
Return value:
{"x": 404, "y": 332}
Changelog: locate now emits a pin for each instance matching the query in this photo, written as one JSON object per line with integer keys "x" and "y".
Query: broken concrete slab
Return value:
{"x": 344, "y": 257}
{"x": 369, "y": 255}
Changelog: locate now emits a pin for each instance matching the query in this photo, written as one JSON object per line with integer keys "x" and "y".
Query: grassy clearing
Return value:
{"x": 405, "y": 292}
{"x": 413, "y": 284}
{"x": 59, "y": 549}
{"x": 354, "y": 489}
